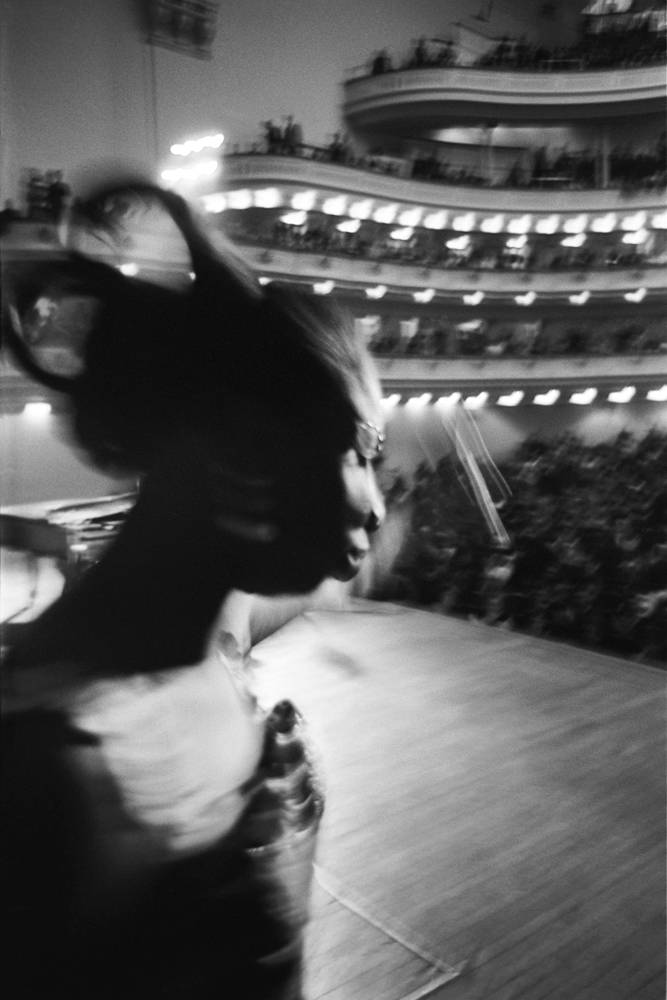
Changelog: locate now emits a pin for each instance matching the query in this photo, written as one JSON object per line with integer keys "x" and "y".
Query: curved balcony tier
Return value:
{"x": 416, "y": 100}
{"x": 411, "y": 376}
{"x": 293, "y": 174}
{"x": 549, "y": 287}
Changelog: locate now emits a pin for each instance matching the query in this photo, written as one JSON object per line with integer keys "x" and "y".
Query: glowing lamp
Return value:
{"x": 623, "y": 395}
{"x": 585, "y": 397}
{"x": 547, "y": 398}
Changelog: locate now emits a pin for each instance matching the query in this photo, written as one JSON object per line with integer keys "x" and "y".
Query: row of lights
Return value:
{"x": 195, "y": 170}
{"x": 40, "y": 410}
{"x": 472, "y": 299}
{"x": 408, "y": 217}
{"x": 583, "y": 397}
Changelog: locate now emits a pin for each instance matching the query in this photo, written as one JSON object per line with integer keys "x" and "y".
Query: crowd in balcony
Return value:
{"x": 588, "y": 557}
{"x": 435, "y": 337}
{"x": 638, "y": 45}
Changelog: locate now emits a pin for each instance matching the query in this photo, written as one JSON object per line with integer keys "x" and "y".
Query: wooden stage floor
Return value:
{"x": 495, "y": 822}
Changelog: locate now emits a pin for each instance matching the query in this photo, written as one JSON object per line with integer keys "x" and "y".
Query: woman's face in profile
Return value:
{"x": 318, "y": 508}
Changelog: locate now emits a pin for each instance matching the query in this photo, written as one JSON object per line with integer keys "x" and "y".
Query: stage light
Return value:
{"x": 584, "y": 397}
{"x": 323, "y": 287}
{"x": 525, "y": 300}
{"x": 264, "y": 280}
{"x": 576, "y": 240}
{"x": 636, "y": 296}
{"x": 464, "y": 223}
{"x": 492, "y": 224}
{"x": 580, "y": 299}
{"x": 633, "y": 222}
{"x": 214, "y": 203}
{"x": 623, "y": 395}
{"x": 268, "y": 198}
{"x": 511, "y": 399}
{"x": 659, "y": 221}
{"x": 361, "y": 209}
{"x": 335, "y": 205}
{"x": 349, "y": 226}
{"x": 446, "y": 402}
{"x": 294, "y": 218}
{"x": 519, "y": 224}
{"x": 129, "y": 270}
{"x": 658, "y": 395}
{"x": 474, "y": 298}
{"x": 604, "y": 223}
{"x": 37, "y": 410}
{"x": 410, "y": 216}
{"x": 436, "y": 220}
{"x": 239, "y": 199}
{"x": 196, "y": 145}
{"x": 402, "y": 234}
{"x": 547, "y": 225}
{"x": 424, "y": 296}
{"x": 303, "y": 201}
{"x": 391, "y": 400}
{"x": 476, "y": 402}
{"x": 376, "y": 292}
{"x": 418, "y": 402}
{"x": 458, "y": 243}
{"x": 385, "y": 214}
{"x": 575, "y": 224}
{"x": 547, "y": 398}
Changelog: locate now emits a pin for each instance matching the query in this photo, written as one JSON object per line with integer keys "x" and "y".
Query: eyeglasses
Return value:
{"x": 369, "y": 442}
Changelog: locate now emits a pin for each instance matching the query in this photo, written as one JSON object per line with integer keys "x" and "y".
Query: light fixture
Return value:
{"x": 636, "y": 238}
{"x": 385, "y": 214}
{"x": 516, "y": 242}
{"x": 436, "y": 220}
{"x": 392, "y": 400}
{"x": 636, "y": 296}
{"x": 37, "y": 410}
{"x": 129, "y": 270}
{"x": 633, "y": 222}
{"x": 323, "y": 287}
{"x": 511, "y": 399}
{"x": 604, "y": 223}
{"x": 464, "y": 223}
{"x": 446, "y": 402}
{"x": 575, "y": 224}
{"x": 417, "y": 402}
{"x": 474, "y": 298}
{"x": 361, "y": 209}
{"x": 349, "y": 226}
{"x": 205, "y": 168}
{"x": 239, "y": 199}
{"x": 214, "y": 203}
{"x": 335, "y": 205}
{"x": 458, "y": 243}
{"x": 303, "y": 200}
{"x": 623, "y": 395}
{"x": 580, "y": 299}
{"x": 576, "y": 240}
{"x": 525, "y": 300}
{"x": 476, "y": 402}
{"x": 424, "y": 296}
{"x": 519, "y": 224}
{"x": 376, "y": 292}
{"x": 547, "y": 225}
{"x": 659, "y": 221}
{"x": 263, "y": 280}
{"x": 410, "y": 216}
{"x": 547, "y": 398}
{"x": 402, "y": 234}
{"x": 196, "y": 145}
{"x": 294, "y": 218}
{"x": 268, "y": 198}
{"x": 584, "y": 397}
{"x": 492, "y": 224}
{"x": 658, "y": 395}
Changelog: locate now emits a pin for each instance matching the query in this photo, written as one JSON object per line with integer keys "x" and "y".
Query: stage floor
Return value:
{"x": 495, "y": 810}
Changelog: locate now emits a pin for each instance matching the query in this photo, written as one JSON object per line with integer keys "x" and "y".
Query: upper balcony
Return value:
{"x": 417, "y": 100}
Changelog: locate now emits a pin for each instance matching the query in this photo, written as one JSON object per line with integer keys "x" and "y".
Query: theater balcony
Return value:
{"x": 414, "y": 101}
